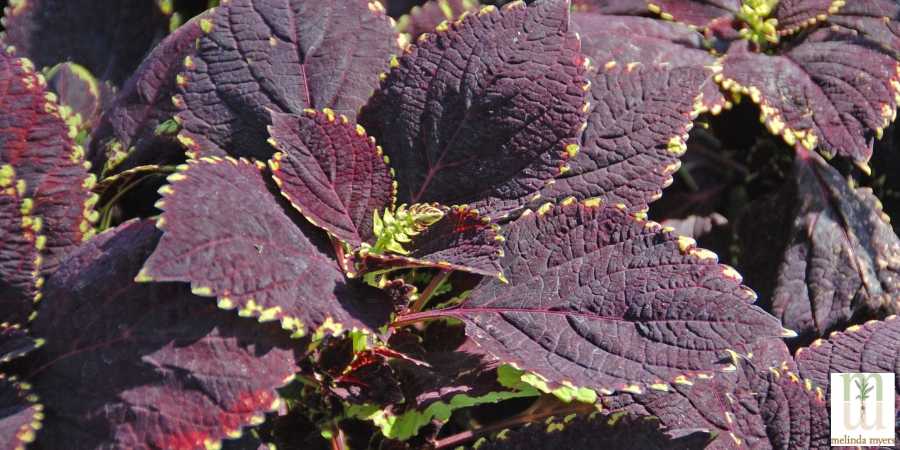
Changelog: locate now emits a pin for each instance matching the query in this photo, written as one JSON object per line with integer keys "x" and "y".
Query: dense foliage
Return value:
{"x": 343, "y": 224}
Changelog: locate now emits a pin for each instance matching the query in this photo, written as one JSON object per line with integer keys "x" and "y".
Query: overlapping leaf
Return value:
{"x": 604, "y": 301}
{"x": 332, "y": 172}
{"x": 19, "y": 259}
{"x": 699, "y": 13}
{"x": 81, "y": 96}
{"x": 226, "y": 234}
{"x": 462, "y": 240}
{"x": 281, "y": 55}
{"x": 15, "y": 342}
{"x": 426, "y": 18}
{"x": 108, "y": 37}
{"x": 131, "y": 365}
{"x": 131, "y": 124}
{"x": 820, "y": 252}
{"x": 876, "y": 20}
{"x": 759, "y": 403}
{"x": 834, "y": 94}
{"x": 595, "y": 431}
{"x": 795, "y": 15}
{"x": 651, "y": 43}
{"x": 482, "y": 112}
{"x": 20, "y": 415}
{"x": 871, "y": 347}
{"x": 37, "y": 144}
{"x": 637, "y": 128}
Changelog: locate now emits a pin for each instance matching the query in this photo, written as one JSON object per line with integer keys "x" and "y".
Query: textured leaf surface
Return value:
{"x": 426, "y": 18}
{"x": 108, "y": 37}
{"x": 637, "y": 128}
{"x": 332, "y": 172}
{"x": 651, "y": 43}
{"x": 283, "y": 55}
{"x": 595, "y": 431}
{"x": 838, "y": 95}
{"x": 15, "y": 342}
{"x": 20, "y": 416}
{"x": 876, "y": 20}
{"x": 603, "y": 300}
{"x": 226, "y": 234}
{"x": 820, "y": 252}
{"x": 37, "y": 143}
{"x": 699, "y": 13}
{"x": 795, "y": 15}
{"x": 143, "y": 103}
{"x": 131, "y": 365}
{"x": 482, "y": 113}
{"x": 461, "y": 240}
{"x": 760, "y": 403}
{"x": 19, "y": 259}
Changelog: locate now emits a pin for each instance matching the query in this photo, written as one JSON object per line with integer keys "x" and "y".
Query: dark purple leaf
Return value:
{"x": 616, "y": 7}
{"x": 820, "y": 252}
{"x": 144, "y": 102}
{"x": 605, "y": 301}
{"x": 20, "y": 414}
{"x": 426, "y": 18}
{"x": 759, "y": 403}
{"x": 332, "y": 172}
{"x": 876, "y": 20}
{"x": 19, "y": 259}
{"x": 699, "y": 13}
{"x": 482, "y": 112}
{"x": 837, "y": 95}
{"x": 280, "y": 55}
{"x": 83, "y": 95}
{"x": 698, "y": 227}
{"x": 638, "y": 124}
{"x": 795, "y": 15}
{"x": 461, "y": 240}
{"x": 108, "y": 37}
{"x": 653, "y": 43}
{"x": 595, "y": 430}
{"x": 15, "y": 342}
{"x": 37, "y": 143}
{"x": 870, "y": 347}
{"x": 130, "y": 365}
{"x": 226, "y": 234}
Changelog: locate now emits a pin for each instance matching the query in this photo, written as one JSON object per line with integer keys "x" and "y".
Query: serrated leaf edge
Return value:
{"x": 26, "y": 433}
{"x": 833, "y": 9}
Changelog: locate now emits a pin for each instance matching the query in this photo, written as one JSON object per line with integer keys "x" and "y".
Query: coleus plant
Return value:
{"x": 387, "y": 234}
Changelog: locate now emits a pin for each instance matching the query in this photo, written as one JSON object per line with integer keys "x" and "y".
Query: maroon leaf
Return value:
{"x": 131, "y": 365}
{"x": 699, "y": 13}
{"x": 461, "y": 240}
{"x": 36, "y": 142}
{"x": 20, "y": 415}
{"x": 227, "y": 236}
{"x": 871, "y": 347}
{"x": 637, "y": 128}
{"x": 332, "y": 172}
{"x": 759, "y": 403}
{"x": 15, "y": 342}
{"x": 605, "y": 301}
{"x": 595, "y": 431}
{"x": 143, "y": 103}
{"x": 654, "y": 43}
{"x": 820, "y": 252}
{"x": 19, "y": 259}
{"x": 795, "y": 15}
{"x": 482, "y": 112}
{"x": 837, "y": 95}
{"x": 876, "y": 20}
{"x": 283, "y": 55}
{"x": 108, "y": 37}
{"x": 426, "y": 18}
{"x": 82, "y": 94}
